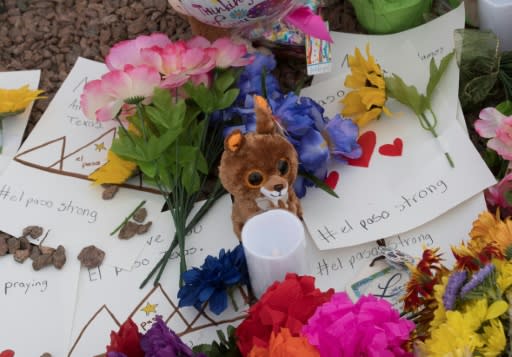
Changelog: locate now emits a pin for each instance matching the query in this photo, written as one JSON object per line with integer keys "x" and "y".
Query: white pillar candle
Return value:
{"x": 496, "y": 15}
{"x": 274, "y": 244}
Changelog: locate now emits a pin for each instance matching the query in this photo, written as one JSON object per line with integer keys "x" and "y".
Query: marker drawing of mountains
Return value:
{"x": 183, "y": 321}
{"x": 56, "y": 157}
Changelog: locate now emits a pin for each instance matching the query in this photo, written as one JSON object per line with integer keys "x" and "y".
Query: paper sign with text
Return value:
{"x": 14, "y": 127}
{"x": 47, "y": 183}
{"x": 100, "y": 309}
{"x": 403, "y": 179}
{"x": 37, "y": 307}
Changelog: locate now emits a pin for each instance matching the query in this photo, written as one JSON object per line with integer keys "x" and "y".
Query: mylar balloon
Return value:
{"x": 234, "y": 13}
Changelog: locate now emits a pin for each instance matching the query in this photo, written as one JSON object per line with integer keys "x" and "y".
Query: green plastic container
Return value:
{"x": 389, "y": 16}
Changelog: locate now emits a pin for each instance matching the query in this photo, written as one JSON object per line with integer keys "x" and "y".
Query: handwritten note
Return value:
{"x": 37, "y": 307}
{"x": 99, "y": 309}
{"x": 47, "y": 184}
{"x": 404, "y": 179}
{"x": 13, "y": 127}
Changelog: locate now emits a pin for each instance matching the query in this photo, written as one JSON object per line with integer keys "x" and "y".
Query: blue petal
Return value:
{"x": 343, "y": 135}
{"x": 313, "y": 152}
{"x": 218, "y": 301}
{"x": 206, "y": 293}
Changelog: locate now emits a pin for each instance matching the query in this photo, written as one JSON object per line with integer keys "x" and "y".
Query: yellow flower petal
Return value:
{"x": 16, "y": 100}
{"x": 495, "y": 339}
{"x": 497, "y": 309}
{"x": 114, "y": 171}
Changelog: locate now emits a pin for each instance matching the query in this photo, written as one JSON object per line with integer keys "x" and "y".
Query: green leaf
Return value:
{"x": 319, "y": 183}
{"x": 156, "y": 145}
{"x": 190, "y": 179}
{"x": 128, "y": 149}
{"x": 407, "y": 95}
{"x": 162, "y": 98}
{"x": 203, "y": 96}
{"x": 227, "y": 99}
{"x": 505, "y": 107}
{"x": 148, "y": 168}
{"x": 437, "y": 73}
{"x": 224, "y": 81}
{"x": 169, "y": 116}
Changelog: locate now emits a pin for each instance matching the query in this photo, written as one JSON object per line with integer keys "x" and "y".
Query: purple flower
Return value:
{"x": 211, "y": 282}
{"x": 455, "y": 282}
{"x": 342, "y": 136}
{"x": 160, "y": 341}
{"x": 477, "y": 279}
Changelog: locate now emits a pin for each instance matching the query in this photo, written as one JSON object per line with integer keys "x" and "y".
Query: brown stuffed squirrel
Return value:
{"x": 259, "y": 169}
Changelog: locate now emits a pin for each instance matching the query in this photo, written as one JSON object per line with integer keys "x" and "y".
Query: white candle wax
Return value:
{"x": 274, "y": 244}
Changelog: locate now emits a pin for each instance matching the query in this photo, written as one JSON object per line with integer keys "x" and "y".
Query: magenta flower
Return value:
{"x": 497, "y": 127}
{"x": 371, "y": 327}
{"x": 495, "y": 195}
{"x": 102, "y": 99}
{"x": 129, "y": 51}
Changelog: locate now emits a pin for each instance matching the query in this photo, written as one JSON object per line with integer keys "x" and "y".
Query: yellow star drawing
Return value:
{"x": 99, "y": 147}
{"x": 149, "y": 308}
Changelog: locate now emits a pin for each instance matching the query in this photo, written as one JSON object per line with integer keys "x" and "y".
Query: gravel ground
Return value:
{"x": 51, "y": 34}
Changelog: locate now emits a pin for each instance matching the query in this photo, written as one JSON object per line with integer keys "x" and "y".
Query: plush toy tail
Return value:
{"x": 264, "y": 119}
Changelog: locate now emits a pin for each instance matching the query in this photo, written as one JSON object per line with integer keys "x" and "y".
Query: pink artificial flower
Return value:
{"x": 370, "y": 327}
{"x": 497, "y": 127}
{"x": 102, "y": 99}
{"x": 495, "y": 195}
{"x": 129, "y": 51}
{"x": 230, "y": 54}
{"x": 177, "y": 62}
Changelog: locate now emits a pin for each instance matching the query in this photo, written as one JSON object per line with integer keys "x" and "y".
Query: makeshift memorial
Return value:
{"x": 258, "y": 184}
{"x": 162, "y": 94}
{"x": 466, "y": 309}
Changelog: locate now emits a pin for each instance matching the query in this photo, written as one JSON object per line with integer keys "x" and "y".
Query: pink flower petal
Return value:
{"x": 490, "y": 119}
{"x": 174, "y": 81}
{"x": 109, "y": 111}
{"x": 93, "y": 97}
{"x": 504, "y": 150}
{"x": 144, "y": 80}
{"x": 198, "y": 42}
{"x": 128, "y": 52}
{"x": 230, "y": 54}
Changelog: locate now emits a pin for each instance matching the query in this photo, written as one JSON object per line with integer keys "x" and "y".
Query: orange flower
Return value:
{"x": 283, "y": 345}
{"x": 481, "y": 228}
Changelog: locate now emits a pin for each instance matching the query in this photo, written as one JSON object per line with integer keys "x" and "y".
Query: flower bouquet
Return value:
{"x": 465, "y": 311}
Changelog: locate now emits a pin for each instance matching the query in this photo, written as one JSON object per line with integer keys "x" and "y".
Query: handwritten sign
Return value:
{"x": 37, "y": 307}
{"x": 13, "y": 127}
{"x": 404, "y": 179}
{"x": 47, "y": 183}
{"x": 99, "y": 309}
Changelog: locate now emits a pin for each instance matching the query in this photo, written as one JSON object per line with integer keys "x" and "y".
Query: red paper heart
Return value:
{"x": 332, "y": 179}
{"x": 367, "y": 141}
{"x": 394, "y": 149}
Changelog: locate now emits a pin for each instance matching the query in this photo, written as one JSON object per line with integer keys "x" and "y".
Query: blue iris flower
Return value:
{"x": 211, "y": 282}
{"x": 342, "y": 135}
{"x": 313, "y": 151}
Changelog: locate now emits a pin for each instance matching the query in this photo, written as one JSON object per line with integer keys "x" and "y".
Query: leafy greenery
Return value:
{"x": 226, "y": 348}
{"x": 420, "y": 104}
{"x": 175, "y": 146}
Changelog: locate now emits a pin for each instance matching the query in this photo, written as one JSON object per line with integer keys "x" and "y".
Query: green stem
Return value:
{"x": 127, "y": 218}
{"x": 160, "y": 266}
{"x": 431, "y": 127}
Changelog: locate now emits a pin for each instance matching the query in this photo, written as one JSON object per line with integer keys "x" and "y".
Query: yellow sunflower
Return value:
{"x": 14, "y": 101}
{"x": 479, "y": 234}
{"x": 366, "y": 102}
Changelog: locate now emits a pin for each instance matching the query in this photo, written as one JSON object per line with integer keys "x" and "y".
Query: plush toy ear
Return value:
{"x": 264, "y": 119}
{"x": 234, "y": 141}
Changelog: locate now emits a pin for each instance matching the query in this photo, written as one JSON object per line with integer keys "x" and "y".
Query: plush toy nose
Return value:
{"x": 278, "y": 187}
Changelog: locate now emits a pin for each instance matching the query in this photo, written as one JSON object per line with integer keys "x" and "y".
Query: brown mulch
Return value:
{"x": 51, "y": 34}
